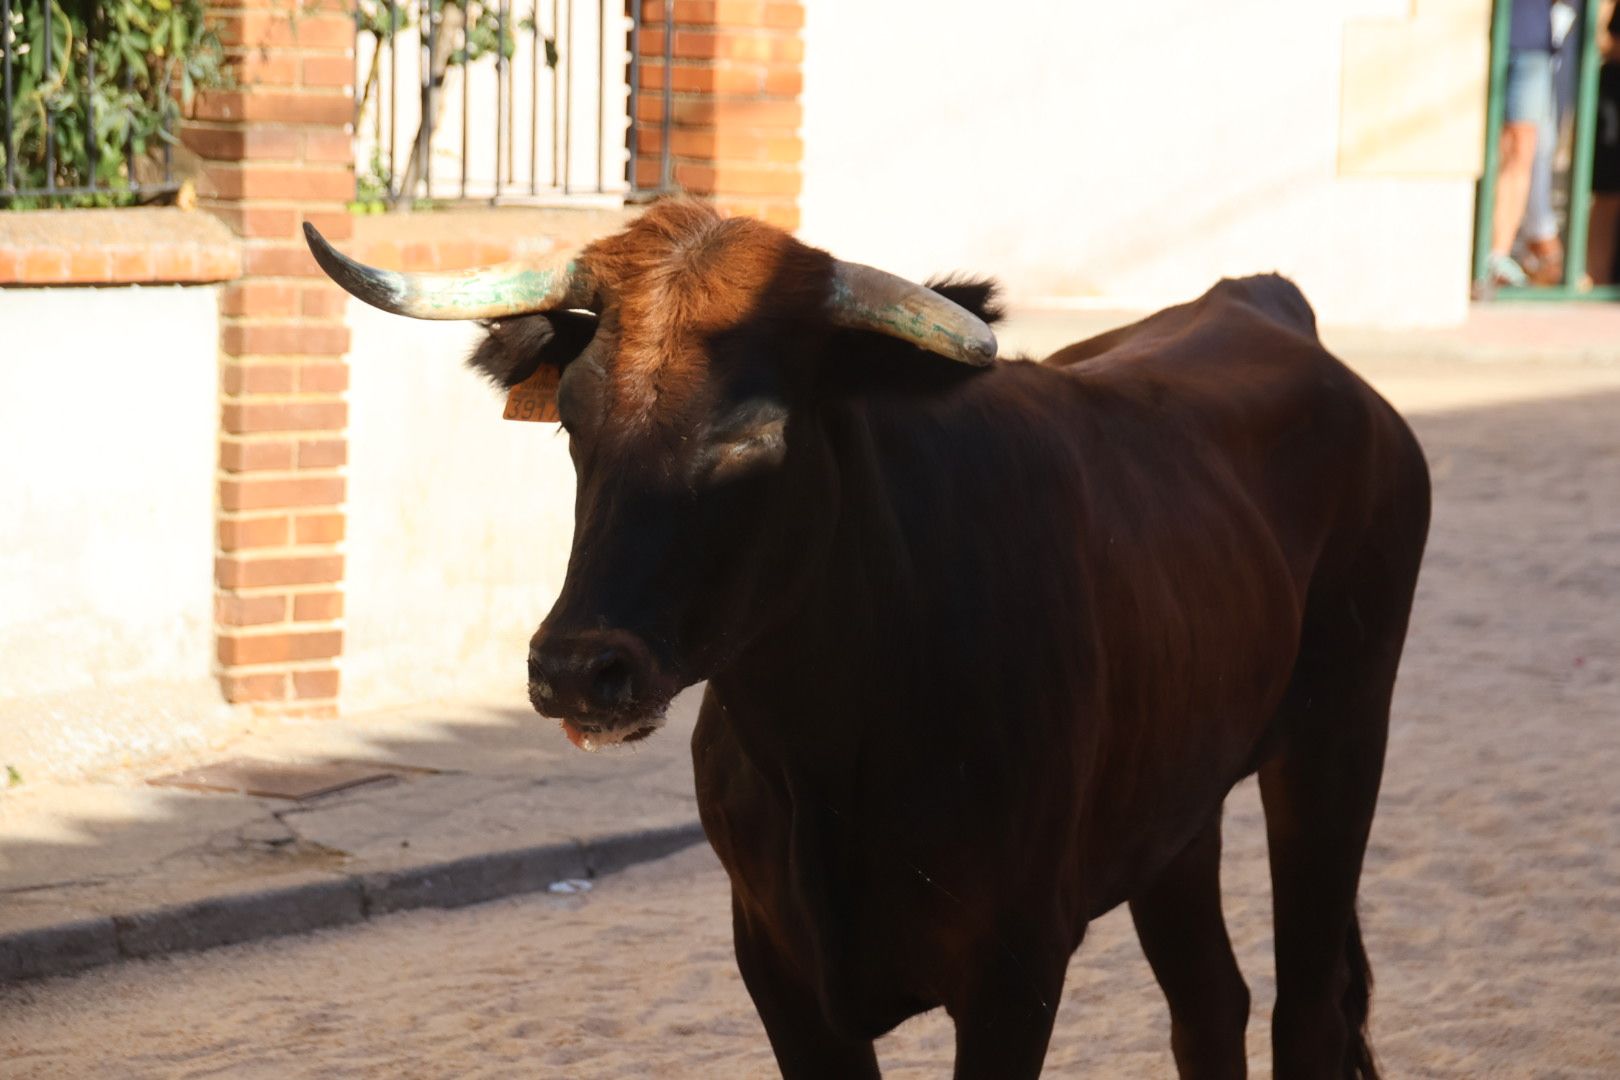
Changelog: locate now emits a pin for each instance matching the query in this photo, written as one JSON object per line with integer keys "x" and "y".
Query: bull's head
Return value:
{"x": 690, "y": 348}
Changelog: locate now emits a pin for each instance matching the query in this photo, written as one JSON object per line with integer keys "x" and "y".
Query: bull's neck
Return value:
{"x": 845, "y": 655}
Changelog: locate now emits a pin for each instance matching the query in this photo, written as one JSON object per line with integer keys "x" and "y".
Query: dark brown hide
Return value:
{"x": 987, "y": 649}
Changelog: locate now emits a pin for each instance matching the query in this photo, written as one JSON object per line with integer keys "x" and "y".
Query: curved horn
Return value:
{"x": 491, "y": 292}
{"x": 865, "y": 298}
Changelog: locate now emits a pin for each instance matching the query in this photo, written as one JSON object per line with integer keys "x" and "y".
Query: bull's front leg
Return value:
{"x": 1005, "y": 1010}
{"x": 806, "y": 1047}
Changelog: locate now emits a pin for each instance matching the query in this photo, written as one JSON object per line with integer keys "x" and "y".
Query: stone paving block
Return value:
{"x": 35, "y": 943}
{"x": 473, "y": 880}
{"x": 310, "y": 902}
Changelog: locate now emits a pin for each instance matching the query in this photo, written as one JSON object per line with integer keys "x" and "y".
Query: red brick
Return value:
{"x": 282, "y": 28}
{"x": 708, "y": 112}
{"x": 236, "y": 456}
{"x": 256, "y": 67}
{"x": 311, "y": 107}
{"x": 328, "y": 71}
{"x": 279, "y": 647}
{"x": 233, "y": 610}
{"x": 237, "y": 572}
{"x": 43, "y": 266}
{"x": 259, "y": 298}
{"x": 263, "y": 686}
{"x": 259, "y": 378}
{"x": 784, "y": 16}
{"x": 260, "y": 493}
{"x": 323, "y": 378}
{"x": 255, "y": 181}
{"x": 323, "y": 454}
{"x": 319, "y": 528}
{"x": 132, "y": 263}
{"x": 88, "y": 265}
{"x": 736, "y": 180}
{"x": 260, "y": 221}
{"x": 281, "y": 260}
{"x": 710, "y": 79}
{"x": 290, "y": 338}
{"x": 334, "y": 224}
{"x": 323, "y": 301}
{"x": 237, "y": 534}
{"x": 247, "y": 418}
{"x": 333, "y": 146}
{"x": 10, "y": 262}
{"x": 786, "y": 80}
{"x": 238, "y": 143}
{"x": 318, "y": 606}
{"x": 320, "y": 683}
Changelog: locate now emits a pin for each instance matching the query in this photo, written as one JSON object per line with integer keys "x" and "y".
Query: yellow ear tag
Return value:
{"x": 535, "y": 398}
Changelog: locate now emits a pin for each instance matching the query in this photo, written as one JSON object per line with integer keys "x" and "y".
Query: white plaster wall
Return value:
{"x": 1123, "y": 155}
{"x": 108, "y": 412}
{"x": 459, "y": 521}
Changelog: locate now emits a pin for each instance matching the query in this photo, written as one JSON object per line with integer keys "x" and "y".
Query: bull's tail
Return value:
{"x": 1357, "y": 1004}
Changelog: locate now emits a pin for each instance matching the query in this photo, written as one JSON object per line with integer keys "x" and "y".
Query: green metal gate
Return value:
{"x": 1580, "y": 191}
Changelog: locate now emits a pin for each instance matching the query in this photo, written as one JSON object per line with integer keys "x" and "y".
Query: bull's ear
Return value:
{"x": 513, "y": 349}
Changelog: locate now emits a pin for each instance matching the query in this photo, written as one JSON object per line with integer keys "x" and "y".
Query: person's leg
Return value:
{"x": 1539, "y": 232}
{"x": 1604, "y": 238}
{"x": 1528, "y": 100}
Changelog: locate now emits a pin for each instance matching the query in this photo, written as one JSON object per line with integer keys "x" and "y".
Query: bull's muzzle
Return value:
{"x": 604, "y": 685}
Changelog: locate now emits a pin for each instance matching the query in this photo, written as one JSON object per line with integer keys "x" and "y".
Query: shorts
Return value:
{"x": 1606, "y": 154}
{"x": 1528, "y": 98}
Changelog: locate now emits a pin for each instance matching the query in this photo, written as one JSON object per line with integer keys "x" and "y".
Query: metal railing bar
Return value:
{"x": 466, "y": 98}
{"x": 601, "y": 96}
{"x": 556, "y": 97}
{"x": 511, "y": 95}
{"x": 91, "y": 8}
{"x": 633, "y": 70}
{"x": 5, "y": 118}
{"x": 534, "y": 99}
{"x": 424, "y": 166}
{"x": 500, "y": 93}
{"x": 568, "y": 117}
{"x": 393, "y": 94}
{"x": 50, "y": 130}
{"x": 666, "y": 164}
{"x": 129, "y": 136}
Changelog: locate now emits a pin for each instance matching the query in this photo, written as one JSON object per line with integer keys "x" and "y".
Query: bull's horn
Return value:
{"x": 491, "y": 292}
{"x": 864, "y": 298}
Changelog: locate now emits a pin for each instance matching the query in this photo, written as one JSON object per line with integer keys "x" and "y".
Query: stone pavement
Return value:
{"x": 489, "y": 800}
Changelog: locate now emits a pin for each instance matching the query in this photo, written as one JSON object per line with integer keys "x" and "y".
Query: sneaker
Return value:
{"x": 1502, "y": 270}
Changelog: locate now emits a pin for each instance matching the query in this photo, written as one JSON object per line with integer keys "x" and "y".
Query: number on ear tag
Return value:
{"x": 535, "y": 398}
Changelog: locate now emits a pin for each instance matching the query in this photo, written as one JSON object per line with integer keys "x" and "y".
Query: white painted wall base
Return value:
{"x": 108, "y": 418}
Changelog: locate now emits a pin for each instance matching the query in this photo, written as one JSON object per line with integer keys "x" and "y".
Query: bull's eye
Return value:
{"x": 756, "y": 450}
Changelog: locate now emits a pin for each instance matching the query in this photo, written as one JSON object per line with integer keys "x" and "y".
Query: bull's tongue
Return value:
{"x": 576, "y": 736}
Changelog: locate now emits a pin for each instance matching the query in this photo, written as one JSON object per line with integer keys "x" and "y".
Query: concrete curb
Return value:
{"x": 320, "y": 900}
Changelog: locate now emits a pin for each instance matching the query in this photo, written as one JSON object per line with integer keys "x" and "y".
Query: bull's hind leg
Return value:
{"x": 1319, "y": 793}
{"x": 1184, "y": 937}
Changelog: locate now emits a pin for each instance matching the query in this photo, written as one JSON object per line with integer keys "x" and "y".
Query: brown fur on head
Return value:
{"x": 681, "y": 274}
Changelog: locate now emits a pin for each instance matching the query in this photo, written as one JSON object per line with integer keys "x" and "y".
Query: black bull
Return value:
{"x": 986, "y": 651}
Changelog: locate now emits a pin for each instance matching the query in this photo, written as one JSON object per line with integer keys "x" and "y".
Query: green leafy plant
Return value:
{"x": 119, "y": 74}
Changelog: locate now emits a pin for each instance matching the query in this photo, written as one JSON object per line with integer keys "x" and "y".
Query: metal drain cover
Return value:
{"x": 282, "y": 779}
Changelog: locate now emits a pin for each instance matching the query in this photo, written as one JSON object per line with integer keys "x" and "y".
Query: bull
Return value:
{"x": 987, "y": 642}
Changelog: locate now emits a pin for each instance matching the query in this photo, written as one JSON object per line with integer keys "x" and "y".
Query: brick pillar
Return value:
{"x": 737, "y": 75}
{"x": 277, "y": 152}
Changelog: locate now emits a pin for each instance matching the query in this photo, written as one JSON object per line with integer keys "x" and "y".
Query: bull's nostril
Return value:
{"x": 536, "y": 669}
{"x": 612, "y": 681}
